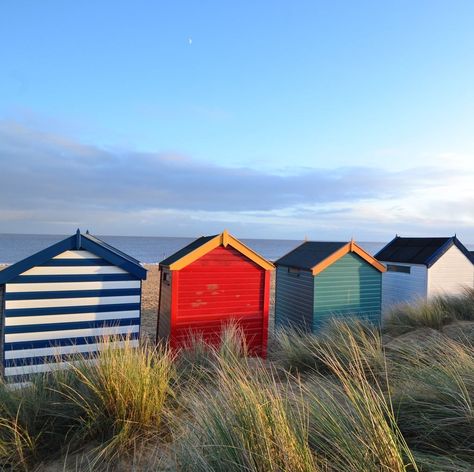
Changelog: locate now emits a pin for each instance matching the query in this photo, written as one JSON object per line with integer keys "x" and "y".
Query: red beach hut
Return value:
{"x": 209, "y": 283}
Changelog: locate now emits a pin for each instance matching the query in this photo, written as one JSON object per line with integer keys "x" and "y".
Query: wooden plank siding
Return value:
{"x": 293, "y": 299}
{"x": 348, "y": 287}
{"x": 65, "y": 306}
{"x": 402, "y": 287}
{"x": 450, "y": 274}
{"x": 220, "y": 287}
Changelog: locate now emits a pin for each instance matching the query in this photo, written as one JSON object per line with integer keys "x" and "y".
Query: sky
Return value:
{"x": 273, "y": 119}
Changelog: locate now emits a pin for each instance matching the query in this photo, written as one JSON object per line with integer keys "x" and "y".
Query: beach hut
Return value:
{"x": 320, "y": 280}
{"x": 63, "y": 301}
{"x": 420, "y": 268}
{"x": 211, "y": 282}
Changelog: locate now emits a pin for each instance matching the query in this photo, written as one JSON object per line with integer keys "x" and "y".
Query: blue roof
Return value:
{"x": 76, "y": 242}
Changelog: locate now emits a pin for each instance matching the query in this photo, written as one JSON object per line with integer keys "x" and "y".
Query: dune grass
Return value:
{"x": 434, "y": 313}
{"x": 120, "y": 398}
{"x": 245, "y": 421}
{"x": 300, "y": 352}
{"x": 434, "y": 400}
{"x": 335, "y": 401}
{"x": 115, "y": 400}
{"x": 352, "y": 420}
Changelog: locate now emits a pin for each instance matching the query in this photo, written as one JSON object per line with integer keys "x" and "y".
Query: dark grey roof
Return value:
{"x": 424, "y": 251}
{"x": 186, "y": 250}
{"x": 309, "y": 254}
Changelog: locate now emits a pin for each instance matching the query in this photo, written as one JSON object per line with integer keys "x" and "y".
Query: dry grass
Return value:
{"x": 435, "y": 313}
{"x": 356, "y": 409}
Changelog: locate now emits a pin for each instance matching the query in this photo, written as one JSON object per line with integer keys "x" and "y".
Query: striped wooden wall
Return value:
{"x": 64, "y": 307}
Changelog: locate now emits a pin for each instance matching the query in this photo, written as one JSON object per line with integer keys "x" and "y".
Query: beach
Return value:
{"x": 150, "y": 297}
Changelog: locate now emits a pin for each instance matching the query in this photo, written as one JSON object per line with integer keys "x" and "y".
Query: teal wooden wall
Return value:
{"x": 349, "y": 287}
{"x": 293, "y": 299}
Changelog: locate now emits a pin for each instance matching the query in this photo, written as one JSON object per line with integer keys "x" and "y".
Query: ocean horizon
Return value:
{"x": 147, "y": 249}
{"x": 150, "y": 249}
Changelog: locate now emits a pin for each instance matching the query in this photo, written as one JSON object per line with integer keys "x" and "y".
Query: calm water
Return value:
{"x": 14, "y": 247}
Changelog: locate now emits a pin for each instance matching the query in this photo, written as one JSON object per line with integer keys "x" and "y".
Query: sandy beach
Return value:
{"x": 150, "y": 296}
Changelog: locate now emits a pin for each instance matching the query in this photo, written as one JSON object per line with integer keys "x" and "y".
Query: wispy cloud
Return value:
{"x": 51, "y": 183}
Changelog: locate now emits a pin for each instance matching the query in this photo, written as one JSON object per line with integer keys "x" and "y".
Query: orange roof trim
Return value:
{"x": 224, "y": 239}
{"x": 349, "y": 247}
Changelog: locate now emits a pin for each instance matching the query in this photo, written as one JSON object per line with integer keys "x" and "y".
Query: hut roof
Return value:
{"x": 197, "y": 243}
{"x": 423, "y": 251}
{"x": 76, "y": 242}
{"x": 317, "y": 255}
{"x": 205, "y": 244}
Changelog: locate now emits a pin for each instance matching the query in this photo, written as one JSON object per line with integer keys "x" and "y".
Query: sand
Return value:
{"x": 150, "y": 295}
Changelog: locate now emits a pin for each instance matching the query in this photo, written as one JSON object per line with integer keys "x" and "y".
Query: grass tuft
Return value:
{"x": 247, "y": 421}
{"x": 434, "y": 313}
{"x": 120, "y": 398}
{"x": 352, "y": 421}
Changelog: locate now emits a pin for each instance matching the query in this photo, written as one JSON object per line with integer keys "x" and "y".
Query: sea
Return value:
{"x": 149, "y": 250}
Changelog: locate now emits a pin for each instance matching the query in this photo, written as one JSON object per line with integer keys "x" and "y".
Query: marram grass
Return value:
{"x": 213, "y": 408}
{"x": 121, "y": 397}
{"x": 434, "y": 313}
{"x": 245, "y": 421}
{"x": 353, "y": 423}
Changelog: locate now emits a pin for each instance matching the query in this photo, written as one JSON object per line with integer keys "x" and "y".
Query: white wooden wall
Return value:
{"x": 450, "y": 273}
{"x": 398, "y": 287}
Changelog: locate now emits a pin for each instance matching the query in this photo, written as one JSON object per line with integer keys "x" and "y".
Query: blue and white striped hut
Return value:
{"x": 63, "y": 300}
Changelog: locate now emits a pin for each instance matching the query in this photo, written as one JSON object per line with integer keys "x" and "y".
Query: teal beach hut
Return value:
{"x": 320, "y": 280}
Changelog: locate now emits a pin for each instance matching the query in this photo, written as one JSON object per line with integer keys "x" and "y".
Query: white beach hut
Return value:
{"x": 420, "y": 268}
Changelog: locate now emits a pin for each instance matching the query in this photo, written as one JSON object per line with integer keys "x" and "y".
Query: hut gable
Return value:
{"x": 420, "y": 268}
{"x": 449, "y": 272}
{"x": 205, "y": 244}
{"x": 211, "y": 282}
{"x": 319, "y": 280}
{"x": 60, "y": 301}
{"x": 318, "y": 255}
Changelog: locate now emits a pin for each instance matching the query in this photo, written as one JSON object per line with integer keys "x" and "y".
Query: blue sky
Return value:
{"x": 273, "y": 119}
